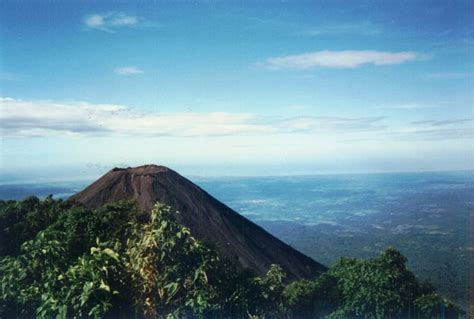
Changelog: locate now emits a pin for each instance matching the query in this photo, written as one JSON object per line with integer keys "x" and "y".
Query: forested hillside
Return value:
{"x": 60, "y": 259}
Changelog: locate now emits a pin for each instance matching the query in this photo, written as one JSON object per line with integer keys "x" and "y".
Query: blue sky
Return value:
{"x": 238, "y": 88}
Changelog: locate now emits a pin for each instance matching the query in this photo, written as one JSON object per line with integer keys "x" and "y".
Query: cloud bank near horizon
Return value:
{"x": 24, "y": 119}
{"x": 48, "y": 118}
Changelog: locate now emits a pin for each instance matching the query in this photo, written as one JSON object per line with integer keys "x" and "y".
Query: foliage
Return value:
{"x": 113, "y": 262}
{"x": 56, "y": 273}
{"x": 311, "y": 299}
{"x": 432, "y": 305}
{"x": 80, "y": 227}
{"x": 42, "y": 284}
{"x": 171, "y": 270}
{"x": 265, "y": 294}
{"x": 22, "y": 220}
{"x": 381, "y": 287}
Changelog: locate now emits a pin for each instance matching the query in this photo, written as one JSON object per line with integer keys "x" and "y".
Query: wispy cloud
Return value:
{"x": 21, "y": 118}
{"x": 406, "y": 106}
{"x": 128, "y": 70}
{"x": 339, "y": 59}
{"x": 448, "y": 75}
{"x": 283, "y": 26}
{"x": 443, "y": 122}
{"x": 110, "y": 21}
{"x": 446, "y": 129}
{"x": 316, "y": 124}
{"x": 434, "y": 134}
{"x": 362, "y": 28}
{"x": 8, "y": 76}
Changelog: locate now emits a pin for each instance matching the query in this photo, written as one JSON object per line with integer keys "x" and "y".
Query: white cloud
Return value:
{"x": 110, "y": 21}
{"x": 47, "y": 118}
{"x": 23, "y": 119}
{"x": 128, "y": 70}
{"x": 339, "y": 59}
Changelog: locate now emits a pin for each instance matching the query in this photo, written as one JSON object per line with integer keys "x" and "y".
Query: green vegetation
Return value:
{"x": 62, "y": 260}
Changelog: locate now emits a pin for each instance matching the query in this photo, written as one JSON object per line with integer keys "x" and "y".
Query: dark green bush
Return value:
{"x": 22, "y": 220}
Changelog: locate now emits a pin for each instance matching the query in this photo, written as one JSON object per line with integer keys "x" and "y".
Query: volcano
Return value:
{"x": 235, "y": 237}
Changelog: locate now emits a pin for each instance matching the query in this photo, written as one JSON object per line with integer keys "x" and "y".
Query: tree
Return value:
{"x": 22, "y": 220}
{"x": 171, "y": 271}
{"x": 382, "y": 287}
{"x": 311, "y": 298}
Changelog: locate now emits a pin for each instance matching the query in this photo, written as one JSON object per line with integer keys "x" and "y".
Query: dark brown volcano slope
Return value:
{"x": 208, "y": 219}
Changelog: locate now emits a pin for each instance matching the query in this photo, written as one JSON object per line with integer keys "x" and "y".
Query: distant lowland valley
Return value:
{"x": 424, "y": 215}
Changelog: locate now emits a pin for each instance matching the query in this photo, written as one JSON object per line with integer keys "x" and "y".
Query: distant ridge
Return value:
{"x": 234, "y": 236}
